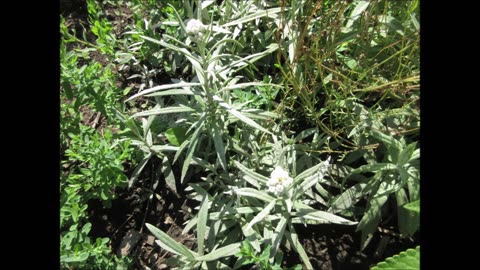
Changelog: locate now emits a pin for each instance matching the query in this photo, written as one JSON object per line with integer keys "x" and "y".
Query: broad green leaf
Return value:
{"x": 413, "y": 206}
{"x": 348, "y": 198}
{"x": 220, "y": 253}
{"x": 238, "y": 115}
{"x": 293, "y": 239}
{"x": 173, "y": 109}
{"x": 202, "y": 225}
{"x": 176, "y": 135}
{"x": 262, "y": 214}
{"x": 74, "y": 258}
{"x": 408, "y": 221}
{"x": 250, "y": 192}
{"x": 405, "y": 260}
{"x": 138, "y": 170}
{"x": 163, "y": 87}
{"x": 170, "y": 244}
{"x": 259, "y": 14}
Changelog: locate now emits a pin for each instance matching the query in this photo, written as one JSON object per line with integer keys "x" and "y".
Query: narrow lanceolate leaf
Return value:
{"x": 168, "y": 174}
{"x": 173, "y": 109}
{"x": 260, "y": 216}
{"x": 370, "y": 220}
{"x": 238, "y": 115}
{"x": 250, "y": 192}
{"x": 163, "y": 87}
{"x": 293, "y": 239}
{"x": 231, "y": 211}
{"x": 197, "y": 125}
{"x": 348, "y": 198}
{"x": 202, "y": 225}
{"x": 278, "y": 235}
{"x": 375, "y": 167}
{"x": 219, "y": 145}
{"x": 191, "y": 148}
{"x": 325, "y": 217}
{"x": 220, "y": 253}
{"x": 322, "y": 168}
{"x": 245, "y": 85}
{"x": 259, "y": 14}
{"x": 308, "y": 183}
{"x": 138, "y": 170}
{"x": 163, "y": 148}
{"x": 172, "y": 92}
{"x": 251, "y": 173}
{"x": 170, "y": 244}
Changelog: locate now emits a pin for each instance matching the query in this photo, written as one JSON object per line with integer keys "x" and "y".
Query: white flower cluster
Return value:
{"x": 279, "y": 181}
{"x": 195, "y": 29}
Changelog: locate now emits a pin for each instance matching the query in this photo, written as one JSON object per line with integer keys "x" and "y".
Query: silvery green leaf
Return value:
{"x": 259, "y": 14}
{"x": 320, "y": 168}
{"x": 168, "y": 174}
{"x": 164, "y": 148}
{"x": 293, "y": 239}
{"x": 220, "y": 253}
{"x": 251, "y": 58}
{"x": 348, "y": 198}
{"x": 251, "y": 173}
{"x": 173, "y": 92}
{"x": 375, "y": 167}
{"x": 170, "y": 244}
{"x": 234, "y": 211}
{"x": 311, "y": 213}
{"x": 173, "y": 109}
{"x": 237, "y": 114}
{"x": 305, "y": 133}
{"x": 261, "y": 215}
{"x": 191, "y": 223}
{"x": 359, "y": 8}
{"x": 191, "y": 148}
{"x": 407, "y": 153}
{"x": 250, "y": 192}
{"x": 138, "y": 170}
{"x": 202, "y": 225}
{"x": 162, "y": 87}
{"x": 219, "y": 145}
{"x": 278, "y": 236}
{"x": 245, "y": 85}
{"x": 369, "y": 222}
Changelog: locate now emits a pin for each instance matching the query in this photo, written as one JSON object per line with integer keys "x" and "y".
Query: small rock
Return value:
{"x": 150, "y": 240}
{"x": 129, "y": 241}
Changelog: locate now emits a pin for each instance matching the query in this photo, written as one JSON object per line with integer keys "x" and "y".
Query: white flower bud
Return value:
{"x": 195, "y": 29}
